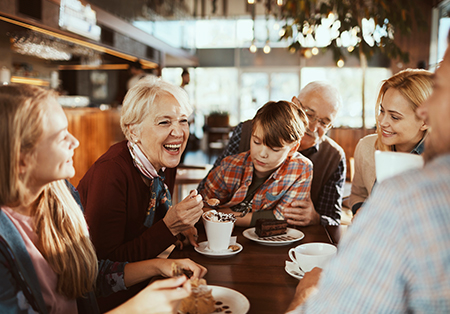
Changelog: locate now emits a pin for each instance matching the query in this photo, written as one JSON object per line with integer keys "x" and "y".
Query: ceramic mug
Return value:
{"x": 310, "y": 255}
{"x": 217, "y": 233}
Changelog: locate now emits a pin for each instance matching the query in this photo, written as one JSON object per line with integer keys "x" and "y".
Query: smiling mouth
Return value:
{"x": 172, "y": 147}
{"x": 387, "y": 133}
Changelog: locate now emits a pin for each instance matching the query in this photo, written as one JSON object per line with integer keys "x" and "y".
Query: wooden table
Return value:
{"x": 258, "y": 270}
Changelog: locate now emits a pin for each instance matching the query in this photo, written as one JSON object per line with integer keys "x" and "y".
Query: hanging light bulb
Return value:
{"x": 253, "y": 47}
{"x": 266, "y": 48}
{"x": 280, "y": 2}
{"x": 308, "y": 53}
{"x": 315, "y": 51}
{"x": 350, "y": 48}
{"x": 251, "y": 1}
{"x": 340, "y": 63}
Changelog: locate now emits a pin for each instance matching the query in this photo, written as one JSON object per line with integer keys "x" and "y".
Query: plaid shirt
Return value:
{"x": 229, "y": 183}
{"x": 330, "y": 200}
{"x": 395, "y": 258}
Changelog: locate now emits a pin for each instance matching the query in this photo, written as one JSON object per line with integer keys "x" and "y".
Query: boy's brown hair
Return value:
{"x": 282, "y": 123}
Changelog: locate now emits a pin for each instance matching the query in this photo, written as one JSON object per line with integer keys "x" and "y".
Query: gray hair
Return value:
{"x": 141, "y": 97}
{"x": 327, "y": 90}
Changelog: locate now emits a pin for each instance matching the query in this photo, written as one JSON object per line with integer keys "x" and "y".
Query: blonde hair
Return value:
{"x": 281, "y": 122}
{"x": 141, "y": 97}
{"x": 59, "y": 222}
{"x": 415, "y": 85}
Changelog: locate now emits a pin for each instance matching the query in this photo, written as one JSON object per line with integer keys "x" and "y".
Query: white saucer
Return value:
{"x": 203, "y": 249}
{"x": 235, "y": 301}
{"x": 292, "y": 269}
{"x": 292, "y": 235}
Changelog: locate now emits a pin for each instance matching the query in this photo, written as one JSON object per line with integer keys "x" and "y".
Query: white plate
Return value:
{"x": 237, "y": 303}
{"x": 293, "y": 234}
{"x": 203, "y": 249}
{"x": 292, "y": 269}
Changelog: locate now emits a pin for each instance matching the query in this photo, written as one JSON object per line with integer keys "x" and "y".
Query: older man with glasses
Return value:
{"x": 321, "y": 102}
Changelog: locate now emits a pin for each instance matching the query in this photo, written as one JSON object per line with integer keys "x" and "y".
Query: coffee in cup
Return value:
{"x": 310, "y": 255}
{"x": 218, "y": 228}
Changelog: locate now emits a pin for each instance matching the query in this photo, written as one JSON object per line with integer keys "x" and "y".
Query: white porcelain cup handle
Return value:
{"x": 291, "y": 254}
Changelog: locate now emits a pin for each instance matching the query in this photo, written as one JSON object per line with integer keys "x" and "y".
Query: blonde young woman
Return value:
{"x": 47, "y": 261}
{"x": 398, "y": 127}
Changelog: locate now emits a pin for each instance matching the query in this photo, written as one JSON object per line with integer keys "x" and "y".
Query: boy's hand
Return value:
{"x": 301, "y": 213}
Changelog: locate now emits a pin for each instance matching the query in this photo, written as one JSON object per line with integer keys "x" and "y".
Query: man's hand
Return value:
{"x": 306, "y": 287}
{"x": 301, "y": 213}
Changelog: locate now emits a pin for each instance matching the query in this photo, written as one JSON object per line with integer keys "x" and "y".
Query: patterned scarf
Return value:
{"x": 159, "y": 192}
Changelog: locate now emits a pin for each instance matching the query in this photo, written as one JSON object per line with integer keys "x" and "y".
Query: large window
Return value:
{"x": 215, "y": 33}
{"x": 257, "y": 88}
{"x": 349, "y": 83}
{"x": 242, "y": 93}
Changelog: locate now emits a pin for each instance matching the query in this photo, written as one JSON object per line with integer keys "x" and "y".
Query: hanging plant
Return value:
{"x": 361, "y": 27}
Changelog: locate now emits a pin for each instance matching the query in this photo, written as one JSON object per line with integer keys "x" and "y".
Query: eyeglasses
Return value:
{"x": 312, "y": 117}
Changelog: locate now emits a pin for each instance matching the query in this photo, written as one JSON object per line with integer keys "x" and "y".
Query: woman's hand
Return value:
{"x": 198, "y": 270}
{"x": 162, "y": 296}
{"x": 185, "y": 214}
{"x": 139, "y": 271}
{"x": 189, "y": 236}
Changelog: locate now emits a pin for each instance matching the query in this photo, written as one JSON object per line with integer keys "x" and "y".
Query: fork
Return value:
{"x": 279, "y": 238}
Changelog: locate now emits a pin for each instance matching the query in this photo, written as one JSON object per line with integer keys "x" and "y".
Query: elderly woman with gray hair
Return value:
{"x": 127, "y": 206}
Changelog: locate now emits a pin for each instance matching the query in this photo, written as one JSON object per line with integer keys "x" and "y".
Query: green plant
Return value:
{"x": 391, "y": 17}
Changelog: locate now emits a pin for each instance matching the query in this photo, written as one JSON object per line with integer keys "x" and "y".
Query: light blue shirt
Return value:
{"x": 395, "y": 258}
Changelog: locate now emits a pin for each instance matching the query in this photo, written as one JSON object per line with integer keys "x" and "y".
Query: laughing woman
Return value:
{"x": 398, "y": 127}
{"x": 127, "y": 206}
{"x": 47, "y": 261}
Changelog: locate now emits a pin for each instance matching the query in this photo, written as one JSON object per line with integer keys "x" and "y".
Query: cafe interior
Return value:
{"x": 239, "y": 54}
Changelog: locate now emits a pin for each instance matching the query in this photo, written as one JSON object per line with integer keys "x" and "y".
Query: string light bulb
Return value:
{"x": 251, "y": 1}
{"x": 253, "y": 47}
{"x": 315, "y": 51}
{"x": 340, "y": 63}
{"x": 266, "y": 48}
{"x": 280, "y": 2}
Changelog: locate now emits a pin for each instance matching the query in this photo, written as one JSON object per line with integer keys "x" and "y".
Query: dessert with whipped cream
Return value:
{"x": 216, "y": 216}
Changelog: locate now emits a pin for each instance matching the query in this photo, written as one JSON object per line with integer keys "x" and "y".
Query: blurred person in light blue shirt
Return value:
{"x": 396, "y": 256}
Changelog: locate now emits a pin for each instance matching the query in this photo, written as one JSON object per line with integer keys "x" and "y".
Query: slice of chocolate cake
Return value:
{"x": 270, "y": 227}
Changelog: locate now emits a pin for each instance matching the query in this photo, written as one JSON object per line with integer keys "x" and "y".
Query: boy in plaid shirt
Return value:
{"x": 259, "y": 183}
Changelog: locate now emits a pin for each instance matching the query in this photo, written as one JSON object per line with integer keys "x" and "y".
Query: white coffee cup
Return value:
{"x": 310, "y": 255}
{"x": 388, "y": 164}
{"x": 217, "y": 233}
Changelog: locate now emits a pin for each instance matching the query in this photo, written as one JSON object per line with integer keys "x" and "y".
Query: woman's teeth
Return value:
{"x": 172, "y": 146}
